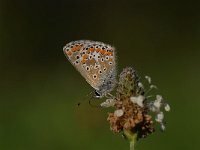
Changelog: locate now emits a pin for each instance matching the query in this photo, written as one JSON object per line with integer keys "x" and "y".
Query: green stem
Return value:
{"x": 131, "y": 137}
{"x": 132, "y": 145}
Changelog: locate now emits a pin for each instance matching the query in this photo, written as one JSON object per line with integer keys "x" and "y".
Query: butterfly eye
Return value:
{"x": 97, "y": 94}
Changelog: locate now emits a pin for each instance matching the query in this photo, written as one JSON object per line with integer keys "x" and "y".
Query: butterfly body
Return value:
{"x": 96, "y": 63}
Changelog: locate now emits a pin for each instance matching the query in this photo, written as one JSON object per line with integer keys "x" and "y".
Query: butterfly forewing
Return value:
{"x": 94, "y": 60}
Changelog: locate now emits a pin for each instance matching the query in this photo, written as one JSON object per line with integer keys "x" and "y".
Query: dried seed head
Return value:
{"x": 132, "y": 106}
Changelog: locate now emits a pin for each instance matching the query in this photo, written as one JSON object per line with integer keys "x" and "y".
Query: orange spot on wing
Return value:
{"x": 85, "y": 56}
{"x": 73, "y": 49}
{"x": 76, "y": 48}
{"x": 92, "y": 49}
{"x": 102, "y": 52}
{"x": 88, "y": 51}
{"x": 69, "y": 53}
{"x": 109, "y": 53}
{"x": 98, "y": 49}
{"x": 93, "y": 60}
{"x": 83, "y": 61}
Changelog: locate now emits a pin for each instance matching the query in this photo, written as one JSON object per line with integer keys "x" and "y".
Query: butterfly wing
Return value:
{"x": 94, "y": 60}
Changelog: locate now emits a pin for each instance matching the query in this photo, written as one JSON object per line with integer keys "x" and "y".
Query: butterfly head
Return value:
{"x": 97, "y": 94}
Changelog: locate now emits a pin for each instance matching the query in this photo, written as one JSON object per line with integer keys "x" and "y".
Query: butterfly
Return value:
{"x": 96, "y": 63}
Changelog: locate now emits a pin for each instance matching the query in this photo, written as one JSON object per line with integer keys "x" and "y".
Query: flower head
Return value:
{"x": 132, "y": 106}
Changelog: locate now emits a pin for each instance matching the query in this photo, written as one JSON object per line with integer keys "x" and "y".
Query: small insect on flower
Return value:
{"x": 96, "y": 63}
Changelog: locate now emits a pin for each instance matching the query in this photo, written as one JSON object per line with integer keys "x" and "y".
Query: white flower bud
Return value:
{"x": 152, "y": 108}
{"x": 119, "y": 113}
{"x": 140, "y": 85}
{"x": 162, "y": 127}
{"x": 167, "y": 107}
{"x": 108, "y": 103}
{"x": 148, "y": 79}
{"x": 159, "y": 117}
{"x": 138, "y": 100}
{"x": 153, "y": 87}
{"x": 159, "y": 97}
{"x": 158, "y": 101}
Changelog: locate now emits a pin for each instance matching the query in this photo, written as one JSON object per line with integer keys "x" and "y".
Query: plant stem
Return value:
{"x": 131, "y": 137}
{"x": 132, "y": 144}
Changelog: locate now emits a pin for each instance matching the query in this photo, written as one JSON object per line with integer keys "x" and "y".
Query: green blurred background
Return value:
{"x": 39, "y": 88}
